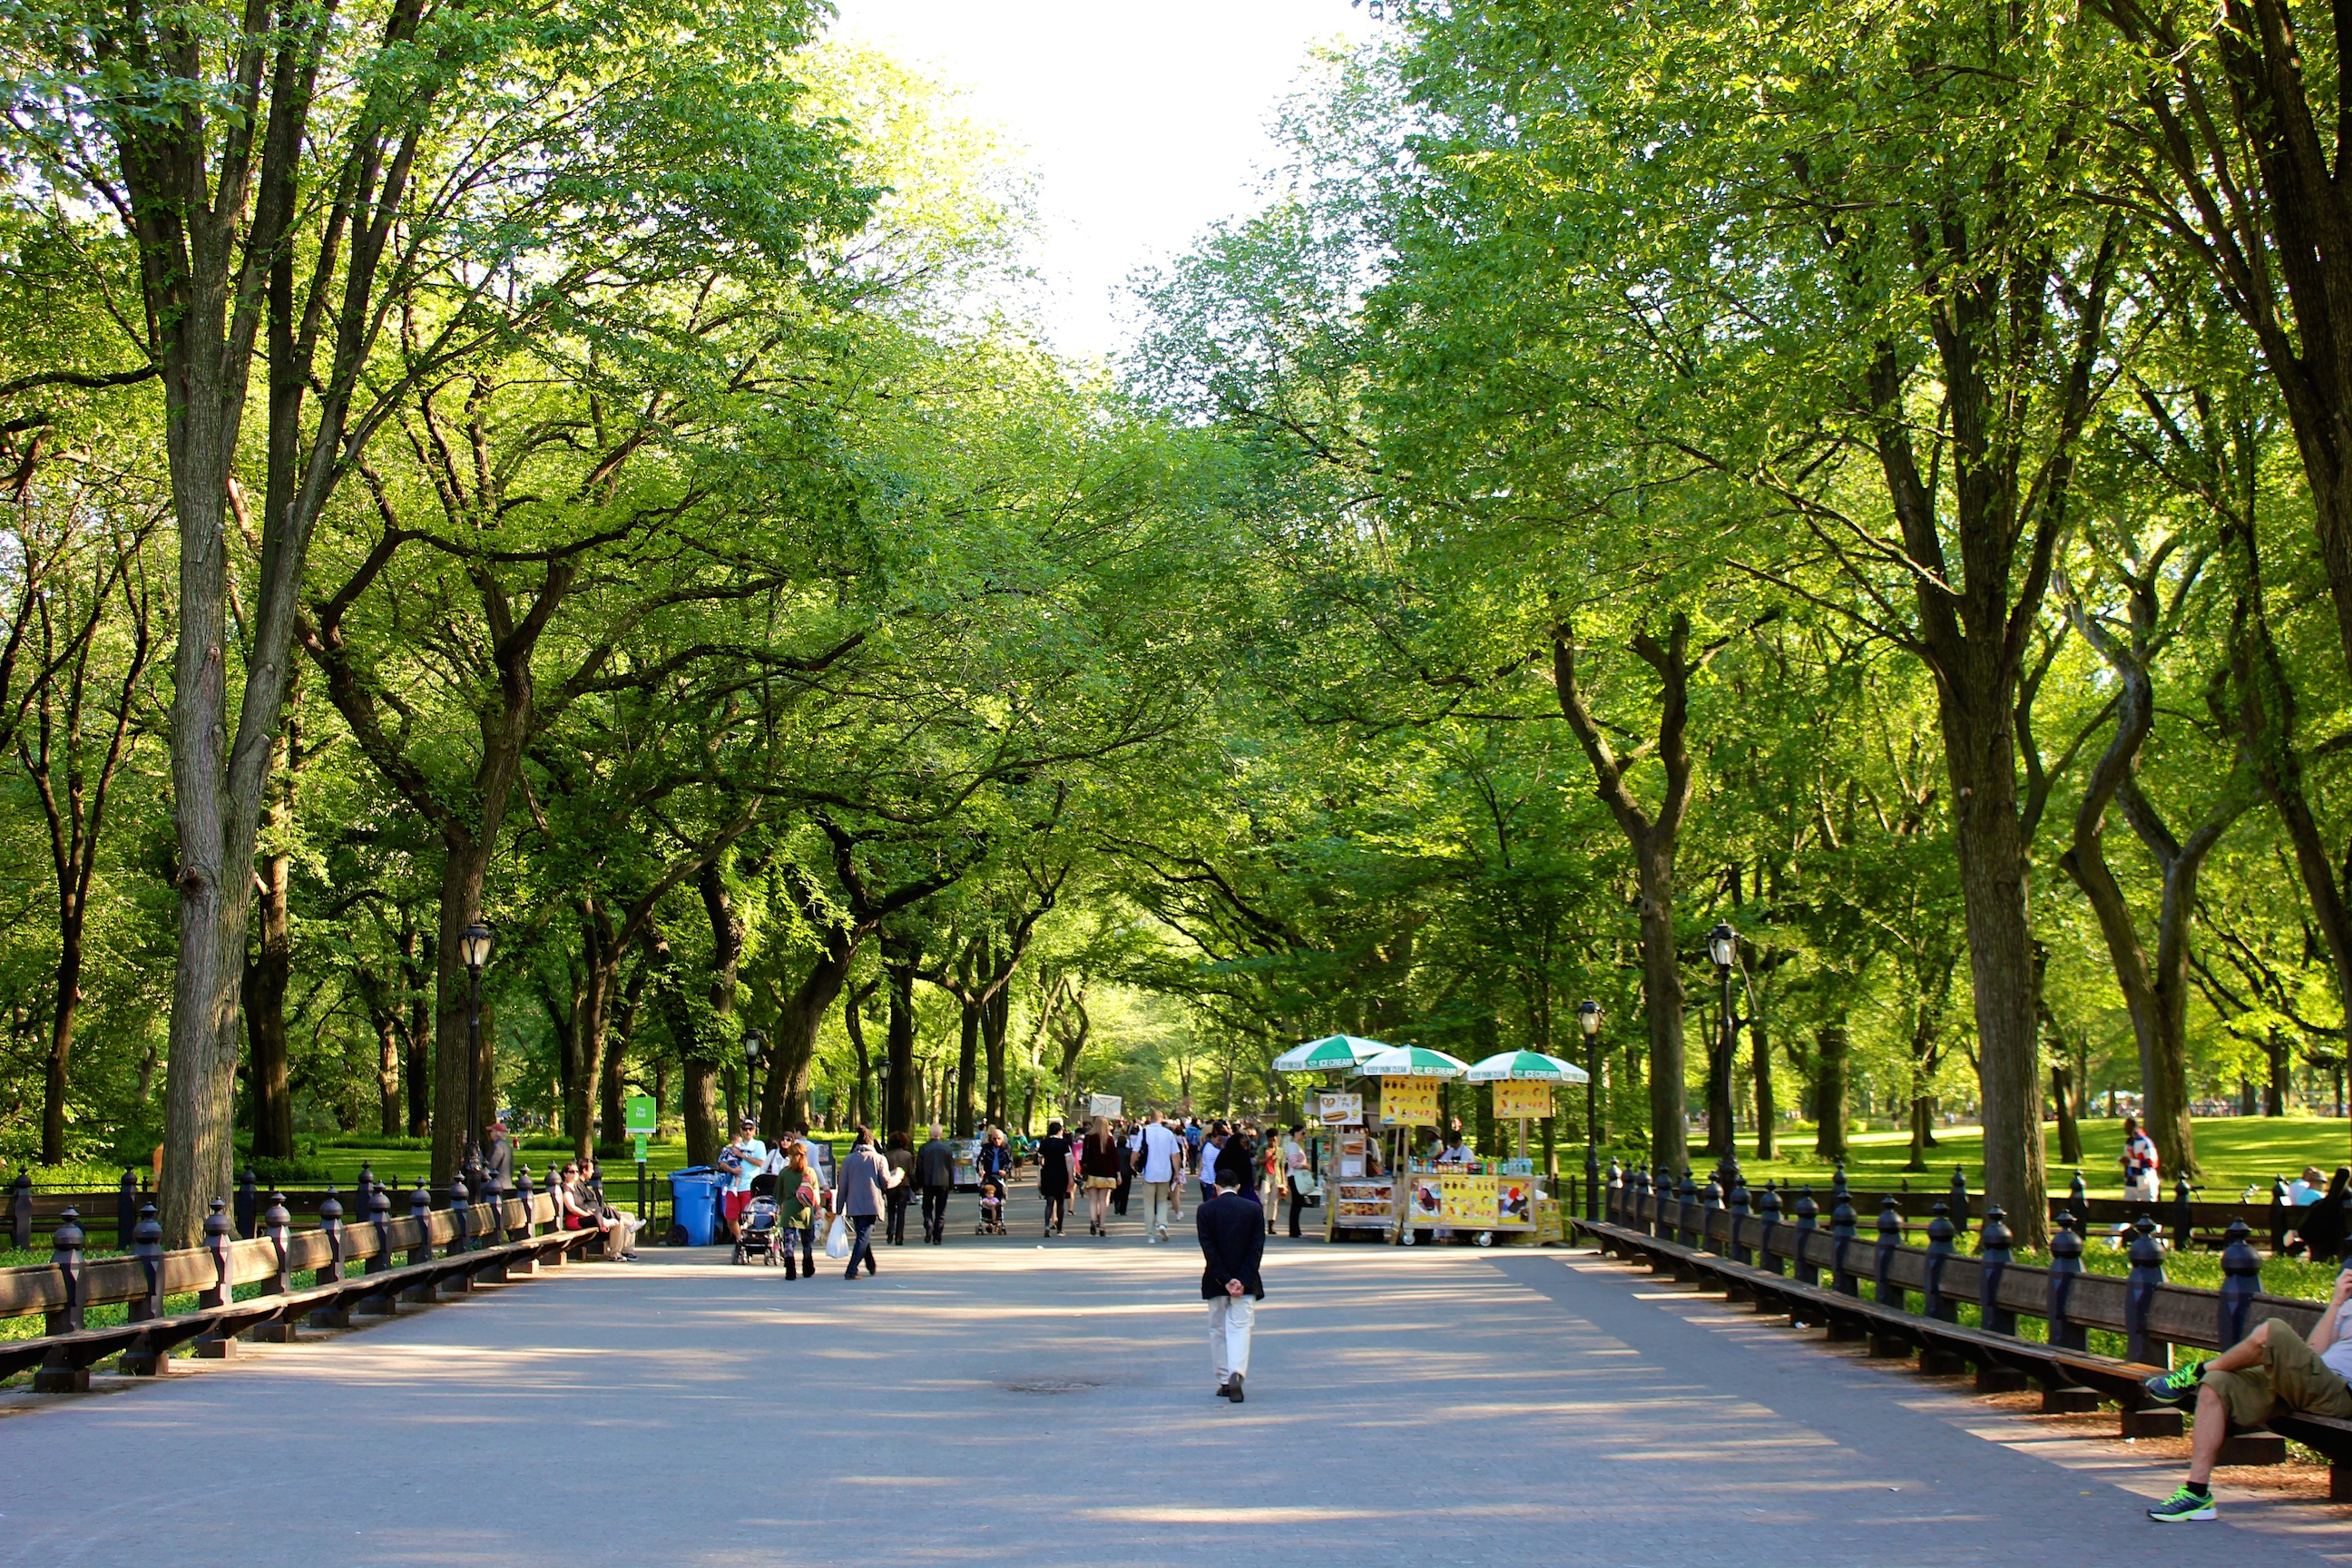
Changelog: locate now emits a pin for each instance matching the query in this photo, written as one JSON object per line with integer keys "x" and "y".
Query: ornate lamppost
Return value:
{"x": 1588, "y": 1019}
{"x": 1723, "y": 946}
{"x": 474, "y": 945}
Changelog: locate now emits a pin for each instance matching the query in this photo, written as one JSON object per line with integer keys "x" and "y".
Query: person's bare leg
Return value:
{"x": 2212, "y": 1416}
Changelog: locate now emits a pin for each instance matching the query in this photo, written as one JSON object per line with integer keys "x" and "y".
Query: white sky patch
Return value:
{"x": 1144, "y": 120}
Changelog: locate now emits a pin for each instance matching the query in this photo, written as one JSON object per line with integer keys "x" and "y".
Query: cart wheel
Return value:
{"x": 1485, "y": 1238}
{"x": 1407, "y": 1238}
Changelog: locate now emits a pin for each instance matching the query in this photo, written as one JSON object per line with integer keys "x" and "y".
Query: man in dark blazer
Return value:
{"x": 935, "y": 1175}
{"x": 1232, "y": 1240}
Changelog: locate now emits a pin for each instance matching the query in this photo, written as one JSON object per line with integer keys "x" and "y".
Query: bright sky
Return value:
{"x": 1145, "y": 119}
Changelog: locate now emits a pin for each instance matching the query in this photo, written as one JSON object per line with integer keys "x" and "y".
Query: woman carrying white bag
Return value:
{"x": 864, "y": 1177}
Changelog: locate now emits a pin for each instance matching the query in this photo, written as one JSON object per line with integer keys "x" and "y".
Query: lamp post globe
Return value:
{"x": 1588, "y": 1019}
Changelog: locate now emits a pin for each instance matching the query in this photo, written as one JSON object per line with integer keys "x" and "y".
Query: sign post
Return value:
{"x": 638, "y": 1115}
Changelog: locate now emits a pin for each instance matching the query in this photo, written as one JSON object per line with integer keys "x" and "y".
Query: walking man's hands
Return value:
{"x": 1234, "y": 1288}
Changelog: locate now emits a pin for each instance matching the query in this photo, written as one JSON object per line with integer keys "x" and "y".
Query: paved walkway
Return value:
{"x": 1008, "y": 1401}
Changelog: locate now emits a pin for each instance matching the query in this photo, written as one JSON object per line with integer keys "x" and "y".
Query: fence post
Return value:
{"x": 1686, "y": 1213}
{"x": 1940, "y": 1231}
{"x": 1612, "y": 1196}
{"x": 461, "y": 1210}
{"x": 1838, "y": 1191}
{"x": 147, "y": 1251}
{"x": 214, "y": 1345}
{"x": 20, "y": 1211}
{"x": 2146, "y": 1274}
{"x": 56, "y": 1375}
{"x": 247, "y": 1197}
{"x": 2065, "y": 1266}
{"x": 2077, "y": 1196}
{"x": 1740, "y": 1209}
{"x": 1993, "y": 1243}
{"x": 126, "y": 1210}
{"x": 1710, "y": 1204}
{"x": 1841, "y": 1229}
{"x": 1809, "y": 1219}
{"x": 277, "y": 1230}
{"x": 378, "y": 1302}
{"x": 420, "y": 1209}
{"x": 1959, "y": 1205}
{"x": 332, "y": 1315}
{"x": 2242, "y": 1280}
{"x": 1637, "y": 1194}
{"x": 2184, "y": 1223}
{"x": 1890, "y": 1237}
{"x": 1768, "y": 1220}
{"x": 522, "y": 1194}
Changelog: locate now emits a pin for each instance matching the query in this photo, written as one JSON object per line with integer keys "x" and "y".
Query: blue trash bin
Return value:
{"x": 694, "y": 1204}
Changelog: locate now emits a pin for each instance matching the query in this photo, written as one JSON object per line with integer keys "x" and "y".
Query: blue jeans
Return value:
{"x": 861, "y": 1245}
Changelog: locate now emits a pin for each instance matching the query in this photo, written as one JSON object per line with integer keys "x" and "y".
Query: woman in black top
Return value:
{"x": 1099, "y": 1169}
{"x": 1054, "y": 1176}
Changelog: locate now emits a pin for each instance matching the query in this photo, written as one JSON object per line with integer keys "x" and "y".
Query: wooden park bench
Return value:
{"x": 1758, "y": 1253}
{"x": 419, "y": 1258}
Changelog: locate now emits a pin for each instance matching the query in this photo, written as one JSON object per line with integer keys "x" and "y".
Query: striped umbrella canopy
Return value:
{"x": 1534, "y": 1067}
{"x": 1331, "y": 1051}
{"x": 1412, "y": 1061}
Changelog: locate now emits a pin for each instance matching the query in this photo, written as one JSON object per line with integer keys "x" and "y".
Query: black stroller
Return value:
{"x": 992, "y": 1209}
{"x": 757, "y": 1232}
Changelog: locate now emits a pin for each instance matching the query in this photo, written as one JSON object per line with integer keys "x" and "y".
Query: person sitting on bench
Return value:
{"x": 2269, "y": 1371}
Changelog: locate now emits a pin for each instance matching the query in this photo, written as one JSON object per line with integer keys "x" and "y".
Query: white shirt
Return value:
{"x": 1158, "y": 1145}
{"x": 2300, "y": 1193}
{"x": 755, "y": 1160}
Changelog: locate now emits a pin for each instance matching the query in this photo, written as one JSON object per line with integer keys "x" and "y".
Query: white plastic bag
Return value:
{"x": 836, "y": 1240}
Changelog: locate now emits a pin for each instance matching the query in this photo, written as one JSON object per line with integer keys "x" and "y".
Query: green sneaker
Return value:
{"x": 2184, "y": 1507}
{"x": 2175, "y": 1386}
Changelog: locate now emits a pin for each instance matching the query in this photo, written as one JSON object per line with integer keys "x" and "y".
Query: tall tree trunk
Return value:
{"x": 967, "y": 1067}
{"x": 387, "y": 1075}
{"x": 996, "y": 1024}
{"x": 2274, "y": 1094}
{"x": 55, "y": 1080}
{"x": 265, "y": 979}
{"x": 902, "y": 956}
{"x": 1652, "y": 837}
{"x": 1760, "y": 1048}
{"x": 1832, "y": 1051}
{"x": 852, "y": 1005}
{"x": 456, "y": 1066}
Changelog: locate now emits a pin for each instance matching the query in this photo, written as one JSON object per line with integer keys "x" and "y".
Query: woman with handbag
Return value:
{"x": 796, "y": 1210}
{"x": 1294, "y": 1172}
{"x": 1055, "y": 1158}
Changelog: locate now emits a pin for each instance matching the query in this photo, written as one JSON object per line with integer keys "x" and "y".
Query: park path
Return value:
{"x": 1004, "y": 1401}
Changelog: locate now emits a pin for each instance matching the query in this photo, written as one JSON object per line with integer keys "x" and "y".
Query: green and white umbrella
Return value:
{"x": 1410, "y": 1061}
{"x": 1530, "y": 1066}
{"x": 1340, "y": 1051}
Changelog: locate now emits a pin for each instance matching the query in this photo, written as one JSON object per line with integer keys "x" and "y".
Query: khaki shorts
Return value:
{"x": 1102, "y": 1183}
{"x": 2290, "y": 1374}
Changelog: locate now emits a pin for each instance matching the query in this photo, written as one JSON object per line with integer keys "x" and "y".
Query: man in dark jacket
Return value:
{"x": 935, "y": 1173}
{"x": 1232, "y": 1240}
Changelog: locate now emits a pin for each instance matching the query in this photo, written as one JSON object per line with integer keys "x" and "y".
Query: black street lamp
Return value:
{"x": 1723, "y": 946}
{"x": 753, "y": 1043}
{"x": 1588, "y": 1019}
{"x": 882, "y": 1092}
{"x": 474, "y": 945}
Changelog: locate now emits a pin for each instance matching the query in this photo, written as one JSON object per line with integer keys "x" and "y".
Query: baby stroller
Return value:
{"x": 991, "y": 1210}
{"x": 757, "y": 1234}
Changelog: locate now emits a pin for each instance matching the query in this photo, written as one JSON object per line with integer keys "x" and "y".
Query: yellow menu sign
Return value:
{"x": 1408, "y": 1102}
{"x": 1515, "y": 1098}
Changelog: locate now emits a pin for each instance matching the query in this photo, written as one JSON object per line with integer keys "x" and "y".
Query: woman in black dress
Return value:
{"x": 1054, "y": 1176}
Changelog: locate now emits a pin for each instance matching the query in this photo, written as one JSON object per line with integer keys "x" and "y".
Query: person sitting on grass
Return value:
{"x": 2269, "y": 1371}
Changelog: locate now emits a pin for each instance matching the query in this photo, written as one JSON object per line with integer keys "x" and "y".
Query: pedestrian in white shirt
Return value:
{"x": 1160, "y": 1162}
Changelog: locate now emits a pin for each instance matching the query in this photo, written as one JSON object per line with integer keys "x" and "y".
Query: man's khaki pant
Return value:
{"x": 1155, "y": 1207}
{"x": 1230, "y": 1321}
{"x": 2290, "y": 1374}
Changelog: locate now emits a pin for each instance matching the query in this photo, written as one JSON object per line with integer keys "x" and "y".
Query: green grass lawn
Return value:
{"x": 2234, "y": 1153}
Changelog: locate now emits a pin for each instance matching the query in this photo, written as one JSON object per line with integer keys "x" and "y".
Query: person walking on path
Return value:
{"x": 2138, "y": 1163}
{"x": 864, "y": 1177}
{"x": 1157, "y": 1164}
{"x": 1270, "y": 1181}
{"x": 1099, "y": 1167}
{"x": 2270, "y": 1370}
{"x": 1205, "y": 1158}
{"x": 797, "y": 1191}
{"x": 499, "y": 1161}
{"x": 1296, "y": 1173}
{"x": 1054, "y": 1162}
{"x": 901, "y": 1161}
{"x": 935, "y": 1173}
{"x": 1235, "y": 1170}
{"x": 1125, "y": 1188}
{"x": 1232, "y": 1247}
{"x": 742, "y": 1159}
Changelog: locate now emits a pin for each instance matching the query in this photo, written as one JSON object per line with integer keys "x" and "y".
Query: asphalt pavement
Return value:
{"x": 1021, "y": 1400}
